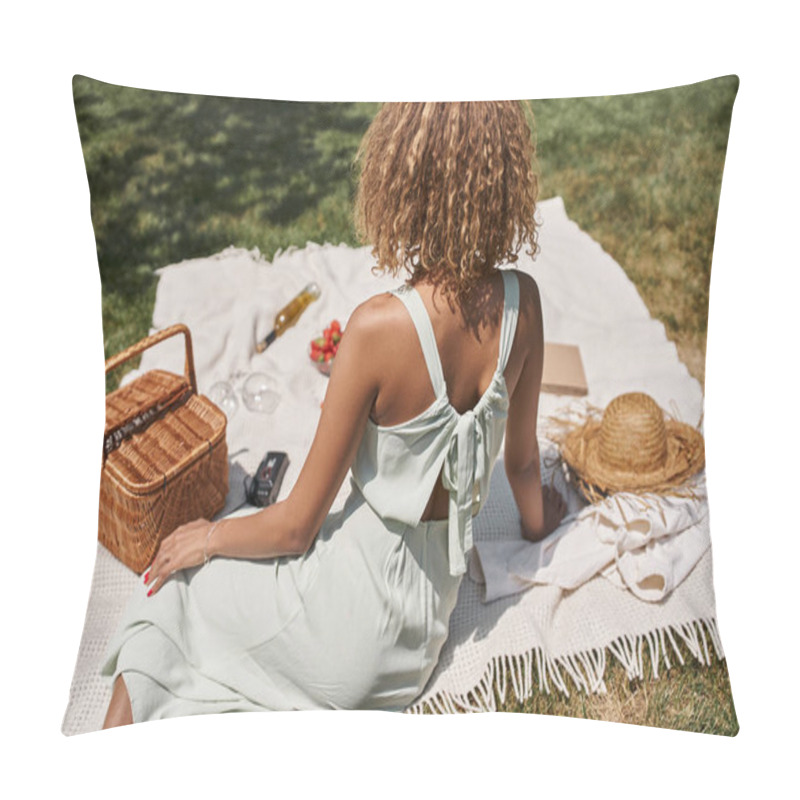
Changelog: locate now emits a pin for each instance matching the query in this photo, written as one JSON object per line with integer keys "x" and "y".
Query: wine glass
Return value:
{"x": 260, "y": 393}
{"x": 223, "y": 396}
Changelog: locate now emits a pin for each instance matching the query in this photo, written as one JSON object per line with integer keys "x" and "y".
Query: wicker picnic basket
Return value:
{"x": 165, "y": 457}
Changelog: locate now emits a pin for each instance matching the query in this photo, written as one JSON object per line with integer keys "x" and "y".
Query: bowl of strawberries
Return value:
{"x": 323, "y": 348}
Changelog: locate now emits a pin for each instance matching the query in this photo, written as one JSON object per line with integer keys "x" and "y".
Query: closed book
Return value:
{"x": 563, "y": 370}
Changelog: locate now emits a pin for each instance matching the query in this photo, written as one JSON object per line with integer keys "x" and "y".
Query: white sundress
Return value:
{"x": 359, "y": 620}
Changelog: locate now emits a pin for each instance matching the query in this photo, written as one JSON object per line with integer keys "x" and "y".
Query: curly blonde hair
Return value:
{"x": 448, "y": 191}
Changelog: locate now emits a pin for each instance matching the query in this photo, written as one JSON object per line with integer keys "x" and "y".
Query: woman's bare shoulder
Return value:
{"x": 379, "y": 324}
{"x": 529, "y": 323}
{"x": 381, "y": 302}
{"x": 529, "y": 299}
{"x": 378, "y": 314}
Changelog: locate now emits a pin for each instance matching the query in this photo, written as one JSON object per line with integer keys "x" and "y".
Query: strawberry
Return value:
{"x": 324, "y": 347}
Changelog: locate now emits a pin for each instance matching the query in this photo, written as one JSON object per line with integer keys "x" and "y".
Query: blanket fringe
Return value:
{"x": 585, "y": 670}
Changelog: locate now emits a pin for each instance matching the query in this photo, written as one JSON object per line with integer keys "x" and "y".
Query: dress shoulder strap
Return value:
{"x": 510, "y": 315}
{"x": 427, "y": 339}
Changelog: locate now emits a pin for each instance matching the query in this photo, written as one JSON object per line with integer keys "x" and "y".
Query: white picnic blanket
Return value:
{"x": 647, "y": 545}
{"x": 560, "y": 636}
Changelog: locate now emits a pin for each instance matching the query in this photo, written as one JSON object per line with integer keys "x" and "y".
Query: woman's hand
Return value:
{"x": 184, "y": 547}
{"x": 554, "y": 508}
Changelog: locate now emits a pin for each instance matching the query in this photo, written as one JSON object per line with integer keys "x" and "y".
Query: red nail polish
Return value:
{"x": 149, "y": 593}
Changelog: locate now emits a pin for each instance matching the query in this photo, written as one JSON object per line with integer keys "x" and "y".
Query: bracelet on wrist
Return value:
{"x": 206, "y": 557}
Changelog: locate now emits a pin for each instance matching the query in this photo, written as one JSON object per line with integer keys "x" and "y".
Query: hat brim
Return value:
{"x": 580, "y": 450}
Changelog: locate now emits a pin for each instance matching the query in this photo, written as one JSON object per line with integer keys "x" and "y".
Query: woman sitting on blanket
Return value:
{"x": 295, "y": 607}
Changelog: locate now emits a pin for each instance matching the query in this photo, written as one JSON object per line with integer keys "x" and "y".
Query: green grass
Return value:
{"x": 177, "y": 176}
{"x": 692, "y": 697}
{"x": 642, "y": 174}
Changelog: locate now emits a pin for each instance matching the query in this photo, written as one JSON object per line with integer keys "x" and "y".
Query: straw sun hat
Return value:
{"x": 634, "y": 447}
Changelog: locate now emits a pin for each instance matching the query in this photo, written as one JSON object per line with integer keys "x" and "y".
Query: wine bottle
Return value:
{"x": 289, "y": 314}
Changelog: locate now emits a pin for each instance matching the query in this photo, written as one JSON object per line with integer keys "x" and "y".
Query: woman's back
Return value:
{"x": 468, "y": 356}
{"x": 428, "y": 449}
{"x": 468, "y": 350}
